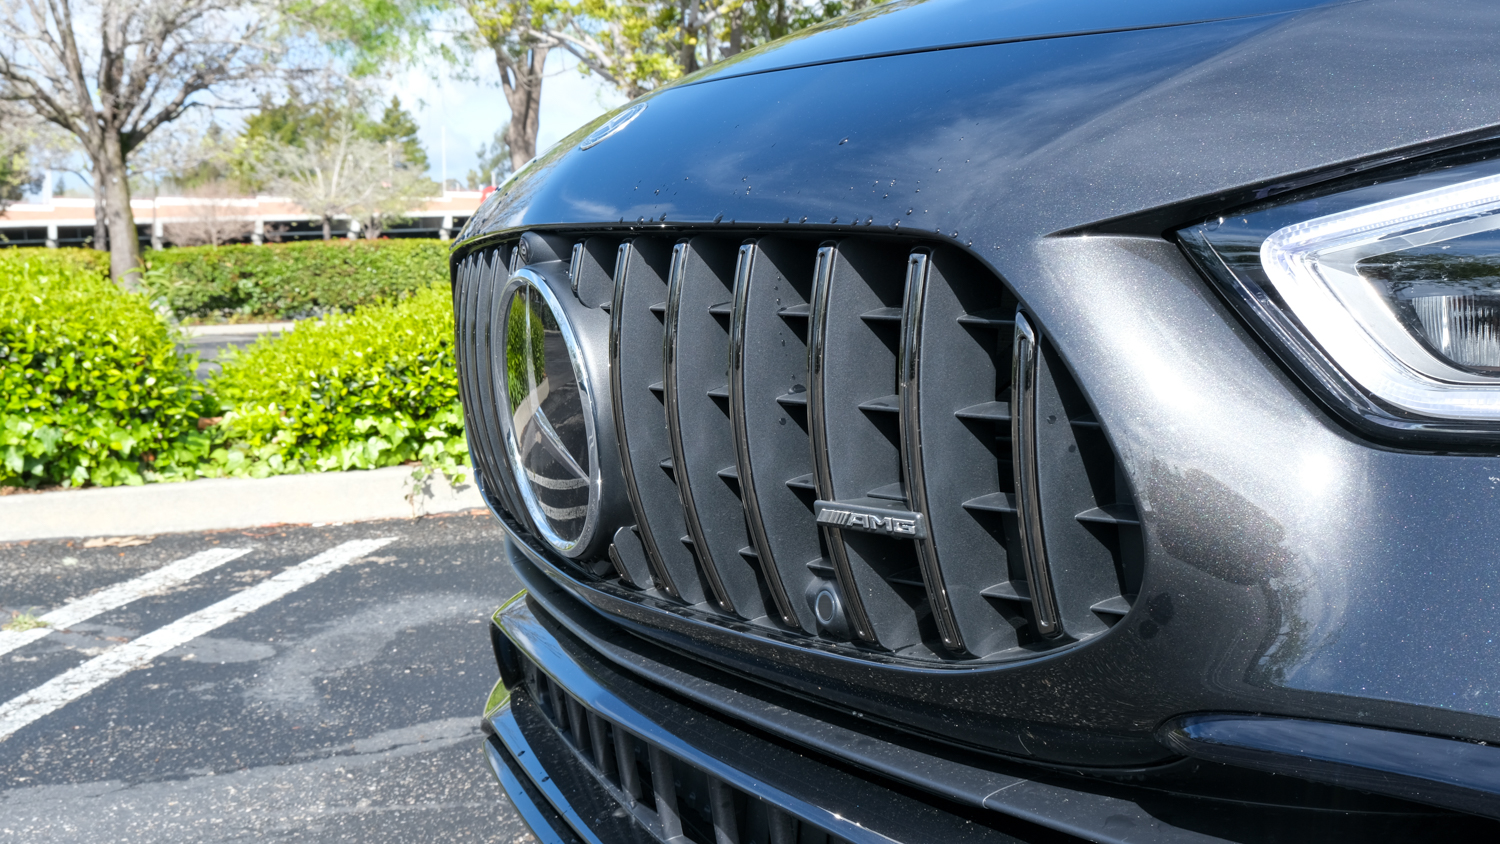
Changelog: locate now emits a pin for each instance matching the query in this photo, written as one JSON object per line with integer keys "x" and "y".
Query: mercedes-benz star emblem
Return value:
{"x": 548, "y": 421}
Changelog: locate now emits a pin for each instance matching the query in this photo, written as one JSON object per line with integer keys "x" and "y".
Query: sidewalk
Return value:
{"x": 216, "y": 504}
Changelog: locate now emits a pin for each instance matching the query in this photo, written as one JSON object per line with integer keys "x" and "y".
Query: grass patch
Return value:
{"x": 23, "y": 620}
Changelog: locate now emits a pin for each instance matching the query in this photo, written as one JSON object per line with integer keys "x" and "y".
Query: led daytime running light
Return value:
{"x": 1312, "y": 265}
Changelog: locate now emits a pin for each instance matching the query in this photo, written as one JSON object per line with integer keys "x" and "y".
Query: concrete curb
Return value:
{"x": 241, "y": 328}
{"x": 216, "y": 504}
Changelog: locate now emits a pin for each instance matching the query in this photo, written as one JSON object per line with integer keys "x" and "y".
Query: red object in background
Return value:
{"x": 485, "y": 194}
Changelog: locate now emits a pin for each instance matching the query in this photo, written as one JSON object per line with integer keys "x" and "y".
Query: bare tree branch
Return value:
{"x": 111, "y": 72}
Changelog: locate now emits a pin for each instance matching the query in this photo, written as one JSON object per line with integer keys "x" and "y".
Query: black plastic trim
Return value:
{"x": 541, "y": 818}
{"x": 1424, "y": 769}
{"x": 845, "y": 805}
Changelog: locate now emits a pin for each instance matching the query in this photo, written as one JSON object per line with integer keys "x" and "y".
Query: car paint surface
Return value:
{"x": 907, "y": 26}
{"x": 1294, "y": 568}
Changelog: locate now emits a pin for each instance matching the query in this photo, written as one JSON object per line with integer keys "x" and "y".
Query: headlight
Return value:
{"x": 1385, "y": 296}
{"x": 546, "y": 418}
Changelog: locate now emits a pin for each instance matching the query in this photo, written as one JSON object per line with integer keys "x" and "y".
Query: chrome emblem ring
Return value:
{"x": 546, "y": 412}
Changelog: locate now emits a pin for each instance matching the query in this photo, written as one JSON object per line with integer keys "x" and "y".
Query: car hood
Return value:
{"x": 910, "y": 26}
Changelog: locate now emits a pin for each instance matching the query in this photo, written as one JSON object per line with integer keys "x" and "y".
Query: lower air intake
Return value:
{"x": 675, "y": 800}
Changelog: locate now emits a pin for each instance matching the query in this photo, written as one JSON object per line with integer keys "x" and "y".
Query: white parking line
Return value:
{"x": 72, "y": 685}
{"x": 152, "y": 583}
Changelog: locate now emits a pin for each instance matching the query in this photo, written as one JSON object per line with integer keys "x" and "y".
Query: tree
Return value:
{"x": 347, "y": 176}
{"x": 396, "y": 125}
{"x": 297, "y": 122}
{"x": 629, "y": 43}
{"x": 639, "y": 45}
{"x": 520, "y": 34}
{"x": 494, "y": 162}
{"x": 18, "y": 171}
{"x": 373, "y": 34}
{"x": 213, "y": 218}
{"x": 16, "y": 176}
{"x": 394, "y": 190}
{"x": 112, "y": 72}
{"x": 322, "y": 176}
{"x": 292, "y": 122}
{"x": 196, "y": 162}
{"x": 397, "y": 178}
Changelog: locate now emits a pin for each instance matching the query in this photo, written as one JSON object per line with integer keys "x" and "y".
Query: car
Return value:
{"x": 1007, "y": 421}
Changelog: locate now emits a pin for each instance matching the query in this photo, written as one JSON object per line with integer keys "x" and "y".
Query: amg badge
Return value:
{"x": 870, "y": 519}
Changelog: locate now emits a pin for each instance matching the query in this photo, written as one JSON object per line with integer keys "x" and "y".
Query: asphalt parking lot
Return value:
{"x": 309, "y": 683}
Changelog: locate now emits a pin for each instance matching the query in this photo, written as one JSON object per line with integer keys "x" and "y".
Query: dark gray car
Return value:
{"x": 986, "y": 420}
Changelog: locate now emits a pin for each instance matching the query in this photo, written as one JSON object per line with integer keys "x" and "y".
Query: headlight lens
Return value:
{"x": 1386, "y": 296}
{"x": 546, "y": 420}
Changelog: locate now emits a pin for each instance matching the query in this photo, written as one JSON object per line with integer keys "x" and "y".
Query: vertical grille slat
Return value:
{"x": 628, "y": 776}
{"x": 482, "y": 317}
{"x": 603, "y": 743}
{"x": 781, "y": 826}
{"x": 1102, "y": 535}
{"x": 477, "y": 274}
{"x": 817, "y": 349}
{"x": 559, "y": 705}
{"x": 913, "y": 321}
{"x": 578, "y": 725}
{"x": 1028, "y": 493}
{"x": 464, "y": 288}
{"x": 663, "y": 782}
{"x": 628, "y": 555}
{"x": 590, "y": 271}
{"x": 859, "y": 439}
{"x": 725, "y": 816}
{"x": 698, "y": 426}
{"x": 956, "y": 367}
{"x": 856, "y": 452}
{"x": 635, "y": 347}
{"x": 768, "y": 410}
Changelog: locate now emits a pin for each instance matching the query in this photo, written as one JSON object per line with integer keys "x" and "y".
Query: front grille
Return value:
{"x": 675, "y": 800}
{"x": 476, "y": 285}
{"x": 860, "y": 440}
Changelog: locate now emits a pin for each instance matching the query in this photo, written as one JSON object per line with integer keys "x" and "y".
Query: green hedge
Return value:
{"x": 92, "y": 386}
{"x": 290, "y": 281}
{"x": 375, "y": 388}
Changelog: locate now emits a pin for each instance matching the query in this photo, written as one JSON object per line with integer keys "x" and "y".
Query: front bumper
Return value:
{"x": 578, "y": 695}
{"x": 608, "y": 770}
{"x": 564, "y": 774}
